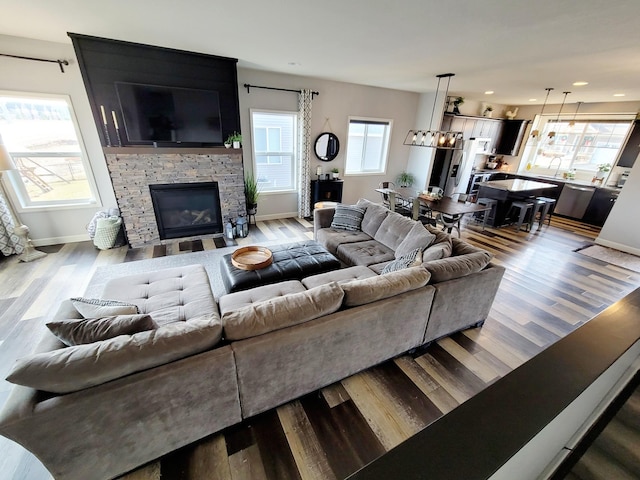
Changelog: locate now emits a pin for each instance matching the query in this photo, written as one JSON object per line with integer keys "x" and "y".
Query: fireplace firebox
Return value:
{"x": 187, "y": 209}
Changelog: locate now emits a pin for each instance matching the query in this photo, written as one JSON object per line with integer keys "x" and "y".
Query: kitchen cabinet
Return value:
{"x": 511, "y": 137}
{"x": 473, "y": 127}
{"x": 600, "y": 206}
{"x": 631, "y": 149}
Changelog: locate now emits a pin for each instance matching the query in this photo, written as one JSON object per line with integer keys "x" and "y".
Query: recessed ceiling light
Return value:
{"x": 580, "y": 84}
{"x": 618, "y": 94}
{"x": 533, "y": 99}
{"x": 489, "y": 92}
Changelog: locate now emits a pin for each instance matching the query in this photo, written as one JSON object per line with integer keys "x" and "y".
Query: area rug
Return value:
{"x": 614, "y": 257}
{"x": 210, "y": 259}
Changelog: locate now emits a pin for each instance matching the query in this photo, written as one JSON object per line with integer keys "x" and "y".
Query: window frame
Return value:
{"x": 294, "y": 154}
{"x": 18, "y": 194}
{"x": 385, "y": 156}
{"x": 545, "y": 123}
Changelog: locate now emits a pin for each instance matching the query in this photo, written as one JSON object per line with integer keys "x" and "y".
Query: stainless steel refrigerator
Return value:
{"x": 452, "y": 168}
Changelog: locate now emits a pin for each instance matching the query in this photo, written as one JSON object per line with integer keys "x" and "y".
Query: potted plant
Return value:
{"x": 335, "y": 173}
{"x": 456, "y": 103}
{"x": 405, "y": 179}
{"x": 603, "y": 168}
{"x": 251, "y": 193}
{"x": 234, "y": 139}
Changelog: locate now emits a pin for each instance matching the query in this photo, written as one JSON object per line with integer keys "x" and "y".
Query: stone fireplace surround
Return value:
{"x": 133, "y": 169}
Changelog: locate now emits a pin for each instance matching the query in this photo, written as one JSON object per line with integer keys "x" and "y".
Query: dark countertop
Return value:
{"x": 548, "y": 178}
{"x": 518, "y": 185}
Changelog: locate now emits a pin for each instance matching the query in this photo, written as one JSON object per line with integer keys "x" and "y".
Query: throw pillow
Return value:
{"x": 411, "y": 259}
{"x": 88, "y": 330}
{"x": 97, "y": 307}
{"x": 418, "y": 237}
{"x": 348, "y": 217}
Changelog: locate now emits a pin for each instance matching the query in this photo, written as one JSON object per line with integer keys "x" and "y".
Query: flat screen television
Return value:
{"x": 160, "y": 114}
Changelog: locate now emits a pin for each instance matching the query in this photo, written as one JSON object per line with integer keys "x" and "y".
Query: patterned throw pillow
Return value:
{"x": 411, "y": 259}
{"x": 348, "y": 217}
{"x": 98, "y": 307}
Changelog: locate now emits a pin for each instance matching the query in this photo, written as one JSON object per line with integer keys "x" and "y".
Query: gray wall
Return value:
{"x": 50, "y": 226}
{"x": 336, "y": 102}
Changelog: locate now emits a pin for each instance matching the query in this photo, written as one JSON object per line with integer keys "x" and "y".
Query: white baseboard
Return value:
{"x": 41, "y": 242}
{"x": 275, "y": 216}
{"x": 618, "y": 246}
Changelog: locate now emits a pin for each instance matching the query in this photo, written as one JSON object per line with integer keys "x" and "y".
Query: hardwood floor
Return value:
{"x": 548, "y": 291}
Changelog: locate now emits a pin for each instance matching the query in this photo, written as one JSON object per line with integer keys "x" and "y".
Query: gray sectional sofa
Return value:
{"x": 100, "y": 409}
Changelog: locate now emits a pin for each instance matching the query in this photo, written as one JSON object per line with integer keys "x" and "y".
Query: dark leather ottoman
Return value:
{"x": 292, "y": 261}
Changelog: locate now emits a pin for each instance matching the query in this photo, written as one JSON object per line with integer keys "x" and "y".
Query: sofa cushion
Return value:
{"x": 347, "y": 217}
{"x": 244, "y": 298}
{"x": 393, "y": 230}
{"x": 457, "y": 266}
{"x": 441, "y": 247}
{"x": 418, "y": 237}
{"x": 360, "y": 292}
{"x": 340, "y": 276}
{"x": 99, "y": 307}
{"x": 168, "y": 295}
{"x": 75, "y": 331}
{"x": 411, "y": 259}
{"x": 364, "y": 253}
{"x": 374, "y": 215}
{"x": 82, "y": 366}
{"x": 332, "y": 238}
{"x": 282, "y": 312}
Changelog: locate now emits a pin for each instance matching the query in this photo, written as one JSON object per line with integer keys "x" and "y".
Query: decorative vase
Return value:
{"x": 227, "y": 145}
{"x": 335, "y": 175}
{"x": 236, "y": 144}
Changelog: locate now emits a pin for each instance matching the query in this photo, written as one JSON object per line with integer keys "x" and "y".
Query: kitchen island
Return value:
{"x": 507, "y": 191}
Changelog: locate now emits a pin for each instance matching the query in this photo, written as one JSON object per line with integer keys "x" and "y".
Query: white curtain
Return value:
{"x": 10, "y": 243}
{"x": 304, "y": 148}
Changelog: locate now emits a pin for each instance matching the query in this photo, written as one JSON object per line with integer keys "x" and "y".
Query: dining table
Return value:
{"x": 452, "y": 207}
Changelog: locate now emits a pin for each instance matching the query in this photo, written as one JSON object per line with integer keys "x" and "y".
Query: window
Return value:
{"x": 581, "y": 145}
{"x": 274, "y": 150}
{"x": 41, "y": 135}
{"x": 367, "y": 146}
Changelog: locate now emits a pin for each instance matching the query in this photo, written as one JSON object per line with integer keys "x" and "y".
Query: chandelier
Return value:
{"x": 449, "y": 140}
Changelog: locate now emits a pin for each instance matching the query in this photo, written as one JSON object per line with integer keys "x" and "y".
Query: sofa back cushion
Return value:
{"x": 393, "y": 230}
{"x": 82, "y": 366}
{"x": 78, "y": 331}
{"x": 418, "y": 237}
{"x": 282, "y": 312}
{"x": 361, "y": 292}
{"x": 374, "y": 215}
{"x": 457, "y": 266}
{"x": 441, "y": 247}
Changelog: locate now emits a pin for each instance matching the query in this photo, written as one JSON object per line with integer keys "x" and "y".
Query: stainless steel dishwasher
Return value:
{"x": 574, "y": 200}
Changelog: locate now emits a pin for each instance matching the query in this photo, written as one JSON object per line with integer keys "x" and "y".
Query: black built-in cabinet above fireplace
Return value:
{"x": 106, "y": 63}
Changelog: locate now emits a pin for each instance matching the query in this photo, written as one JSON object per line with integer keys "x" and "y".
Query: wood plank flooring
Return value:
{"x": 548, "y": 291}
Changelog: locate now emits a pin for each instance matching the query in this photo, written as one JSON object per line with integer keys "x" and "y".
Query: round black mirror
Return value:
{"x": 327, "y": 146}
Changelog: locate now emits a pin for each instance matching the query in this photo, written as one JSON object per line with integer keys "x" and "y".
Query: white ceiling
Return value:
{"x": 516, "y": 48}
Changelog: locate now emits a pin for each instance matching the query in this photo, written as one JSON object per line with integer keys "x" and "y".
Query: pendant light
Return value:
{"x": 572, "y": 123}
{"x": 448, "y": 140}
{"x": 536, "y": 132}
{"x": 552, "y": 133}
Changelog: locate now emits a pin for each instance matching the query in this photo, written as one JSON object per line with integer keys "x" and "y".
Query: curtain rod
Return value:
{"x": 248, "y": 87}
{"x": 61, "y": 63}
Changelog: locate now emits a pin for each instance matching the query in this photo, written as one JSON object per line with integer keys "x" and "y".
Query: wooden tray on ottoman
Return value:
{"x": 252, "y": 258}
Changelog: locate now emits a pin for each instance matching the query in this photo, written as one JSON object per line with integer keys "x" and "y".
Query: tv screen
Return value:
{"x": 154, "y": 113}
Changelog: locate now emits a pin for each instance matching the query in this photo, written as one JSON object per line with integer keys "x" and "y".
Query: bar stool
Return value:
{"x": 547, "y": 211}
{"x": 488, "y": 215}
{"x": 524, "y": 208}
{"x": 538, "y": 207}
